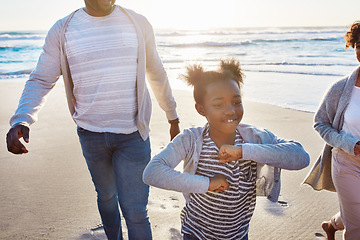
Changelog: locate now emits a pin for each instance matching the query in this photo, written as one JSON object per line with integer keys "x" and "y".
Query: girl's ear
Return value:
{"x": 200, "y": 109}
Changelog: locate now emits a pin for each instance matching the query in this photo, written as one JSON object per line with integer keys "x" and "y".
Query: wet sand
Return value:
{"x": 48, "y": 193}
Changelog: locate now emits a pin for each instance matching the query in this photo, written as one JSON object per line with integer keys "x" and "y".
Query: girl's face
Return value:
{"x": 222, "y": 107}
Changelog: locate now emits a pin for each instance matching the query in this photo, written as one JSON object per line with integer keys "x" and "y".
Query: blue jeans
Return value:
{"x": 116, "y": 163}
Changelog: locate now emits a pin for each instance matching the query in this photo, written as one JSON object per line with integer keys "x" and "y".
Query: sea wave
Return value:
{"x": 301, "y": 64}
{"x": 205, "y": 44}
{"x": 294, "y": 72}
{"x": 19, "y": 48}
{"x": 20, "y": 72}
{"x": 244, "y": 42}
{"x": 253, "y": 31}
{"x": 303, "y": 40}
{"x": 9, "y": 36}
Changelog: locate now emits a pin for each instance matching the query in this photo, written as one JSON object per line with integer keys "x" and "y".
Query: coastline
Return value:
{"x": 48, "y": 193}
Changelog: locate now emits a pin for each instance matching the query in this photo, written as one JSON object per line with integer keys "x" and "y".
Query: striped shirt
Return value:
{"x": 224, "y": 215}
{"x": 102, "y": 55}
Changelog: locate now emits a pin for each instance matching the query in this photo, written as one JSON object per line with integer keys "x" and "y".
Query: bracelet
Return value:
{"x": 175, "y": 121}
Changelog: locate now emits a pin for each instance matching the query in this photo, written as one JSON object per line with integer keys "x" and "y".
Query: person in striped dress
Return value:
{"x": 226, "y": 163}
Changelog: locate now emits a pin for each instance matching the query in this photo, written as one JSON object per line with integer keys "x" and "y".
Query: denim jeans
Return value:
{"x": 116, "y": 163}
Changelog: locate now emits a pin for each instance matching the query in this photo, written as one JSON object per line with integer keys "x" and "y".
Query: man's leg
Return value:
{"x": 99, "y": 160}
{"x": 130, "y": 160}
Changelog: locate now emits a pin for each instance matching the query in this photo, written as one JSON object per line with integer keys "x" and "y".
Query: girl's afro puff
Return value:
{"x": 199, "y": 78}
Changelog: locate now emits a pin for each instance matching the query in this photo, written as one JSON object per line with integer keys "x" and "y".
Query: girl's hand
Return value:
{"x": 357, "y": 149}
{"x": 228, "y": 153}
{"x": 218, "y": 183}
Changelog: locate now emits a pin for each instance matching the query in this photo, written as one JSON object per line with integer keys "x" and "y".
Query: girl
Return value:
{"x": 225, "y": 163}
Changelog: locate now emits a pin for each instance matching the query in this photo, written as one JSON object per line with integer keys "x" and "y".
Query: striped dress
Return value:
{"x": 224, "y": 215}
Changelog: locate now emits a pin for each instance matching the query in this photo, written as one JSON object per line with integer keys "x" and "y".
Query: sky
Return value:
{"x": 16, "y": 15}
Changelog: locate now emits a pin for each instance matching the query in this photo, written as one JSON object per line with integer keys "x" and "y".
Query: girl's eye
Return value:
{"x": 237, "y": 103}
{"x": 217, "y": 105}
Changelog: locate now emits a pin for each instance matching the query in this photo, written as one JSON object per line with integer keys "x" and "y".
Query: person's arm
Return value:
{"x": 159, "y": 82}
{"x": 280, "y": 153}
{"x": 33, "y": 97}
{"x": 357, "y": 149}
{"x": 323, "y": 123}
{"x": 161, "y": 173}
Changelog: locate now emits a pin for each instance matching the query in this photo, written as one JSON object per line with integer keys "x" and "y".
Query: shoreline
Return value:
{"x": 48, "y": 193}
{"x": 180, "y": 87}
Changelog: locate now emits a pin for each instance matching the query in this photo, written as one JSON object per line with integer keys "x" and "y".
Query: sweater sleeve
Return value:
{"x": 160, "y": 171}
{"x": 41, "y": 80}
{"x": 157, "y": 76}
{"x": 324, "y": 121}
{"x": 277, "y": 152}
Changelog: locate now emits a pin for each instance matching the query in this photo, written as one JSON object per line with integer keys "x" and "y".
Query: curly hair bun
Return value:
{"x": 233, "y": 67}
{"x": 193, "y": 72}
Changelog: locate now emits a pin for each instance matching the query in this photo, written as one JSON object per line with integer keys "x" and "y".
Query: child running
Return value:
{"x": 226, "y": 163}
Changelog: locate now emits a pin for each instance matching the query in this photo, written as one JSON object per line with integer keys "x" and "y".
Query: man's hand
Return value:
{"x": 13, "y": 136}
{"x": 218, "y": 183}
{"x": 174, "y": 129}
{"x": 357, "y": 149}
{"x": 228, "y": 153}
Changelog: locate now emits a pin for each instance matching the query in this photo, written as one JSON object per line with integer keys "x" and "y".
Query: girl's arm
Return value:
{"x": 279, "y": 153}
{"x": 160, "y": 171}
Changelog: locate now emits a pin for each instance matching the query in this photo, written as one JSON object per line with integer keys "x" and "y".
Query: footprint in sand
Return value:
{"x": 283, "y": 204}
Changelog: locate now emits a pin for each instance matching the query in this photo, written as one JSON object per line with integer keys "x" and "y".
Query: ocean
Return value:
{"x": 288, "y": 67}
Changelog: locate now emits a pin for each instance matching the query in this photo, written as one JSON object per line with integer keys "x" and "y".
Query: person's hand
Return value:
{"x": 174, "y": 130}
{"x": 12, "y": 139}
{"x": 228, "y": 153}
{"x": 218, "y": 183}
{"x": 357, "y": 149}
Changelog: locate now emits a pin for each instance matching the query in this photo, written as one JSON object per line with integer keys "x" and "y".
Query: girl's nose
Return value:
{"x": 230, "y": 110}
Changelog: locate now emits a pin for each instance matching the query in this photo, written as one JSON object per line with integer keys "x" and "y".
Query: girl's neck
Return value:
{"x": 222, "y": 139}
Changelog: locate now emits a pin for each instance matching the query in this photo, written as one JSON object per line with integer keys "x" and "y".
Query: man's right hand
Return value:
{"x": 218, "y": 183}
{"x": 12, "y": 139}
{"x": 357, "y": 149}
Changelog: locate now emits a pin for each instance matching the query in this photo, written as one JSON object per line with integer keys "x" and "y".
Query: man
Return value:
{"x": 103, "y": 52}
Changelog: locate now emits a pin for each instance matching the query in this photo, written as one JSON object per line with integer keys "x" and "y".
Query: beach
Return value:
{"x": 48, "y": 194}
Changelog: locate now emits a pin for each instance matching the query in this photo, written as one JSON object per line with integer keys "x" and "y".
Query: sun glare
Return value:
{"x": 193, "y": 14}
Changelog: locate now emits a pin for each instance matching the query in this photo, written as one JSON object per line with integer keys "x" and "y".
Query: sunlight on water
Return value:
{"x": 288, "y": 67}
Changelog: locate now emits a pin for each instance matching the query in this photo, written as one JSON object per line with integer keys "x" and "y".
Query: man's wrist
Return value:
{"x": 20, "y": 124}
{"x": 174, "y": 121}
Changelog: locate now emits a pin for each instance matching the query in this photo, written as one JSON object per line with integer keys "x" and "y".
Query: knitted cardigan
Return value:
{"x": 329, "y": 120}
{"x": 270, "y": 152}
{"x": 53, "y": 63}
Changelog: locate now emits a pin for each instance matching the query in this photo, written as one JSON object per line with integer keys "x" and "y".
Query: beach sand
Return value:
{"x": 48, "y": 193}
